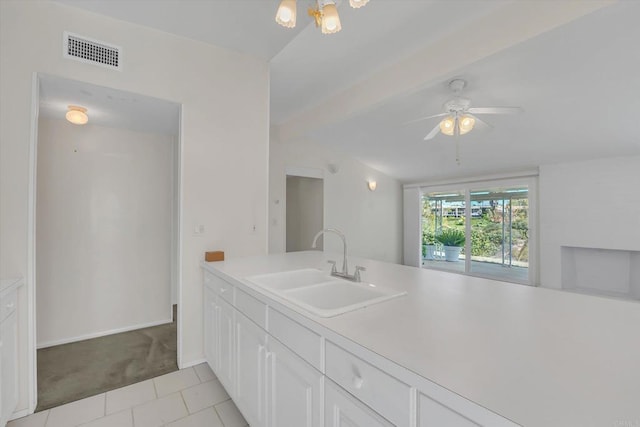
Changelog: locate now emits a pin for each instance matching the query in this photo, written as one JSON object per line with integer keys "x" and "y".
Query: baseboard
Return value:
{"x": 19, "y": 414}
{"x": 192, "y": 363}
{"x": 102, "y": 333}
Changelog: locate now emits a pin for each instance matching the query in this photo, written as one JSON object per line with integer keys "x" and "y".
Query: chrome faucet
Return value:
{"x": 345, "y": 269}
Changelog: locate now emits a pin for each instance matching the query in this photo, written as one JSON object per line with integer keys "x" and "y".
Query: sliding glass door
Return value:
{"x": 489, "y": 222}
{"x": 443, "y": 211}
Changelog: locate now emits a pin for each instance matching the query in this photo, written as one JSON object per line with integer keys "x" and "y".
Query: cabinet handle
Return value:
{"x": 358, "y": 382}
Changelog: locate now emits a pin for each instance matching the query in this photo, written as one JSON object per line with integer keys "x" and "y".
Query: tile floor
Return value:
{"x": 191, "y": 397}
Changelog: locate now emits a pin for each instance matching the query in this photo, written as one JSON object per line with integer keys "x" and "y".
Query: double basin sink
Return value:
{"x": 322, "y": 294}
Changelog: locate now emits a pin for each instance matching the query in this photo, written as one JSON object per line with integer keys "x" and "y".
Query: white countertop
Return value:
{"x": 537, "y": 356}
{"x": 7, "y": 283}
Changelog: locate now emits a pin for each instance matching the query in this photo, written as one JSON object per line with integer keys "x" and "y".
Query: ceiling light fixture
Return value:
{"x": 330, "y": 18}
{"x": 372, "y": 185}
{"x": 357, "y": 4}
{"x": 325, "y": 14}
{"x": 286, "y": 15}
{"x": 463, "y": 123}
{"x": 77, "y": 115}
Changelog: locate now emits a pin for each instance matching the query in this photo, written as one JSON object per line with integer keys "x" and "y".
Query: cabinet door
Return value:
{"x": 212, "y": 330}
{"x": 250, "y": 361}
{"x": 8, "y": 366}
{"x": 226, "y": 340}
{"x": 343, "y": 410}
{"x": 295, "y": 389}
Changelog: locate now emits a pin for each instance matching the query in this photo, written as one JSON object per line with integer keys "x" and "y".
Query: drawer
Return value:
{"x": 8, "y": 303}
{"x": 220, "y": 287}
{"x": 445, "y": 408}
{"x": 304, "y": 342}
{"x": 432, "y": 413}
{"x": 252, "y": 308}
{"x": 343, "y": 410}
{"x": 377, "y": 389}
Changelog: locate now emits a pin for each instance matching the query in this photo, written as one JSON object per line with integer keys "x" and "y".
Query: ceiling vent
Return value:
{"x": 91, "y": 51}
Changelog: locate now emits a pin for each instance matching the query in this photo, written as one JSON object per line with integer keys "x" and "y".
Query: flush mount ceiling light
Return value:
{"x": 325, "y": 14}
{"x": 77, "y": 115}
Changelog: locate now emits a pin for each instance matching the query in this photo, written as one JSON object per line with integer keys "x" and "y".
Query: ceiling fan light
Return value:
{"x": 356, "y": 4}
{"x": 447, "y": 125}
{"x": 330, "y": 19}
{"x": 77, "y": 115}
{"x": 286, "y": 14}
{"x": 466, "y": 124}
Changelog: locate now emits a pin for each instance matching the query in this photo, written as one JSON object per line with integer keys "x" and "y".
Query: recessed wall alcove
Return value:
{"x": 599, "y": 271}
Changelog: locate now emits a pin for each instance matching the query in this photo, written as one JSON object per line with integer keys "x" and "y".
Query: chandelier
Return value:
{"x": 325, "y": 14}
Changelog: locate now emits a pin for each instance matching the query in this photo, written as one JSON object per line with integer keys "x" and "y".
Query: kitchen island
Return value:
{"x": 478, "y": 347}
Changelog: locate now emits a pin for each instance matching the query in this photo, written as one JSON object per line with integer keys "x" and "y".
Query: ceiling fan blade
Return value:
{"x": 480, "y": 123}
{"x": 495, "y": 110}
{"x": 433, "y": 132}
{"x": 425, "y": 118}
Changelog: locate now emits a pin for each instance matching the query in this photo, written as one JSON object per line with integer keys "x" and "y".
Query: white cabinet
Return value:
{"x": 343, "y": 410}
{"x": 388, "y": 395}
{"x": 250, "y": 390}
{"x": 283, "y": 372}
{"x": 211, "y": 325}
{"x": 8, "y": 355}
{"x": 433, "y": 414}
{"x": 226, "y": 339}
{"x": 270, "y": 384}
{"x": 295, "y": 389}
{"x": 219, "y": 334}
{"x": 440, "y": 407}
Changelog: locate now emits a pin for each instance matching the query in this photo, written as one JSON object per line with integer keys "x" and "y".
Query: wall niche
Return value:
{"x": 598, "y": 271}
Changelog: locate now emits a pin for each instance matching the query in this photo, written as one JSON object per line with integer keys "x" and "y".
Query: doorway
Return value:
{"x": 304, "y": 212}
{"x": 106, "y": 233}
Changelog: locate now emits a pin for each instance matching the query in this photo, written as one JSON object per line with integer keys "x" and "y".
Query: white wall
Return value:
{"x": 372, "y": 221}
{"x": 225, "y": 133}
{"x": 412, "y": 202}
{"x": 305, "y": 212}
{"x": 591, "y": 204}
{"x": 103, "y": 242}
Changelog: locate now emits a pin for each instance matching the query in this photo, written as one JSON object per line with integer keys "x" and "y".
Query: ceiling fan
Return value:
{"x": 459, "y": 117}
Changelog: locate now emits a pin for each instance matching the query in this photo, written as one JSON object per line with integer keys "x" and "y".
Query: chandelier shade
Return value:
{"x": 357, "y": 4}
{"x": 330, "y": 19}
{"x": 325, "y": 14}
{"x": 464, "y": 124}
{"x": 286, "y": 14}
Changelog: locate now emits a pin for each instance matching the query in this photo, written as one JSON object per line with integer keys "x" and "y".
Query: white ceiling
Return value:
{"x": 577, "y": 83}
{"x": 314, "y": 66}
{"x": 108, "y": 107}
{"x": 579, "y": 86}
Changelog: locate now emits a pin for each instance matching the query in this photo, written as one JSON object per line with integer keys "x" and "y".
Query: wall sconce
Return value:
{"x": 372, "y": 185}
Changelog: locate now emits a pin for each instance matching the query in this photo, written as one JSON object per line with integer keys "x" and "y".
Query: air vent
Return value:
{"x": 91, "y": 51}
